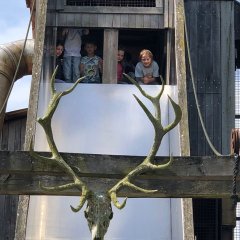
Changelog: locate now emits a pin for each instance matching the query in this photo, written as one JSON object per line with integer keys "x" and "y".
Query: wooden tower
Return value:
{"x": 159, "y": 26}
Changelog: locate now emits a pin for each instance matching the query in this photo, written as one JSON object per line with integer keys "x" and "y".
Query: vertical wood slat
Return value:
{"x": 12, "y": 138}
{"x": 84, "y": 18}
{"x": 217, "y": 122}
{"x": 93, "y": 20}
{"x": 124, "y": 20}
{"x": 166, "y": 24}
{"x": 171, "y": 13}
{"x": 147, "y": 21}
{"x": 110, "y": 56}
{"x": 77, "y": 19}
{"x": 62, "y": 19}
{"x": 201, "y": 44}
{"x": 109, "y": 20}
{"x": 209, "y": 120}
{"x": 216, "y": 44}
{"x": 139, "y": 21}
{"x": 201, "y": 140}
{"x": 101, "y": 20}
{"x": 116, "y": 20}
{"x": 193, "y": 124}
{"x": 168, "y": 56}
{"x": 70, "y": 18}
{"x": 209, "y": 46}
{"x": 192, "y": 23}
{"x": 154, "y": 21}
{"x": 227, "y": 71}
{"x": 131, "y": 21}
{"x": 4, "y": 140}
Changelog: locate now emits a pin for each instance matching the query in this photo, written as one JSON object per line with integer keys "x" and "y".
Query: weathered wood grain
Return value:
{"x": 209, "y": 177}
{"x": 109, "y": 56}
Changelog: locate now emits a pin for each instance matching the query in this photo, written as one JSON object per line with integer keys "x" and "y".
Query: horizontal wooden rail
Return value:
{"x": 194, "y": 177}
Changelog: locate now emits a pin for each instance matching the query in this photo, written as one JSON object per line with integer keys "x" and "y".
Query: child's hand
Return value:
{"x": 148, "y": 79}
{"x": 65, "y": 31}
{"x": 86, "y": 31}
{"x": 100, "y": 65}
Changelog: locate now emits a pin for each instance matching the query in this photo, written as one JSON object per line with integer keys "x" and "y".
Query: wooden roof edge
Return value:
{"x": 20, "y": 113}
{"x": 28, "y": 3}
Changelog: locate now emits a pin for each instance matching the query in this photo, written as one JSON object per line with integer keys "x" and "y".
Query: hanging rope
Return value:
{"x": 234, "y": 196}
{"x": 195, "y": 93}
{"x": 235, "y": 133}
{"x": 20, "y": 59}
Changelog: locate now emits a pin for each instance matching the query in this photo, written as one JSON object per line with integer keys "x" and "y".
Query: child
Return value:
{"x": 72, "y": 55}
{"x": 124, "y": 66}
{"x": 147, "y": 69}
{"x": 59, "y": 62}
{"x": 120, "y": 70}
{"x": 91, "y": 65}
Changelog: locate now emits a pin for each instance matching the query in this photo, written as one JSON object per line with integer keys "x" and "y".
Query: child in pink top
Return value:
{"x": 120, "y": 57}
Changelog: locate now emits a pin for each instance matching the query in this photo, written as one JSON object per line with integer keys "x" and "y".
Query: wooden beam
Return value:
{"x": 113, "y": 10}
{"x": 207, "y": 177}
{"x": 109, "y": 55}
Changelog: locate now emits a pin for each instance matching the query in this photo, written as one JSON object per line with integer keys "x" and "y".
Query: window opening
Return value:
{"x": 66, "y": 61}
{"x": 117, "y": 3}
{"x": 237, "y": 98}
{"x": 133, "y": 41}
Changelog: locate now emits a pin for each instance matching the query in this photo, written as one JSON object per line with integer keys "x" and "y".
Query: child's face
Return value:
{"x": 59, "y": 50}
{"x": 146, "y": 60}
{"x": 120, "y": 55}
{"x": 90, "y": 49}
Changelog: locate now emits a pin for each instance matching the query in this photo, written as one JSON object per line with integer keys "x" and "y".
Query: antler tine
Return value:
{"x": 159, "y": 133}
{"x": 53, "y": 90}
{"x": 178, "y": 115}
{"x": 85, "y": 194}
{"x": 45, "y": 122}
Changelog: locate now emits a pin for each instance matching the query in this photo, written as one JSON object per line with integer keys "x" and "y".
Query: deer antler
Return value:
{"x": 160, "y": 131}
{"x": 45, "y": 122}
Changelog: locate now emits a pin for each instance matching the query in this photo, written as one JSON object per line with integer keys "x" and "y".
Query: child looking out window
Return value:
{"x": 91, "y": 65}
{"x": 120, "y": 70}
{"x": 59, "y": 62}
{"x": 72, "y": 54}
{"x": 147, "y": 70}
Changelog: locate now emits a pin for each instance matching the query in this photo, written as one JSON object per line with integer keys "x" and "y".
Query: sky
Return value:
{"x": 14, "y": 18}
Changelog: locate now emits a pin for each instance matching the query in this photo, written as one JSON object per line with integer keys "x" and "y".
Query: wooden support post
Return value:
{"x": 179, "y": 18}
{"x": 228, "y": 100}
{"x": 110, "y": 56}
{"x": 41, "y": 10}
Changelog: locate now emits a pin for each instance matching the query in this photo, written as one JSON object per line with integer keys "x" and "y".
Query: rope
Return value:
{"x": 235, "y": 135}
{"x": 194, "y": 91}
{"x": 234, "y": 196}
{"x": 19, "y": 61}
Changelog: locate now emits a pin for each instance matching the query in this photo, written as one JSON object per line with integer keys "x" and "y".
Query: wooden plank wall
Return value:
{"x": 210, "y": 29}
{"x": 237, "y": 20}
{"x": 11, "y": 138}
{"x": 211, "y": 54}
{"x": 107, "y": 17}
